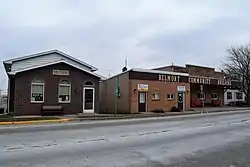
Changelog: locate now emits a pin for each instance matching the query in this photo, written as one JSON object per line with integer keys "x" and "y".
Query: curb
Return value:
{"x": 106, "y": 123}
{"x": 96, "y": 118}
{"x": 34, "y": 122}
{"x": 127, "y": 117}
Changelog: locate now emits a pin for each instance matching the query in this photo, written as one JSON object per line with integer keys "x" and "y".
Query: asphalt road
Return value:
{"x": 207, "y": 141}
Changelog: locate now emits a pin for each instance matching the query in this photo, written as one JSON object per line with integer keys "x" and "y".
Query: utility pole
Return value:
{"x": 117, "y": 93}
{"x": 202, "y": 98}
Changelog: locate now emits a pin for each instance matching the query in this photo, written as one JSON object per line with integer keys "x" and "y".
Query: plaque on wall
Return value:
{"x": 61, "y": 72}
{"x": 142, "y": 87}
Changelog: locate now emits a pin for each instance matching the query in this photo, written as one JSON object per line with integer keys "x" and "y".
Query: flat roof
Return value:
{"x": 150, "y": 71}
{"x": 159, "y": 72}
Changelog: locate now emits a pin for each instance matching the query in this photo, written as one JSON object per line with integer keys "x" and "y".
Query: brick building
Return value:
{"x": 144, "y": 90}
{"x": 206, "y": 84}
{"x": 51, "y": 81}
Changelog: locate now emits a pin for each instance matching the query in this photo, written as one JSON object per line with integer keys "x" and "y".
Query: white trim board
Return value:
{"x": 52, "y": 63}
{"x": 150, "y": 71}
{"x": 159, "y": 72}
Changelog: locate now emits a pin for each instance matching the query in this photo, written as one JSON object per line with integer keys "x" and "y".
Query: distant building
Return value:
{"x": 206, "y": 84}
{"x": 232, "y": 96}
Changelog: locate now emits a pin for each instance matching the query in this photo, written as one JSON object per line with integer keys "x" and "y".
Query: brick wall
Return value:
{"x": 77, "y": 78}
{"x": 194, "y": 70}
{"x": 203, "y": 71}
{"x": 163, "y": 88}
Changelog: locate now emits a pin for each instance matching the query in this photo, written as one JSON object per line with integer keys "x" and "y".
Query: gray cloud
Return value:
{"x": 205, "y": 46}
{"x": 102, "y": 33}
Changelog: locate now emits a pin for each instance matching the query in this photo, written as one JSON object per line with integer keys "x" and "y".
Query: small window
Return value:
{"x": 229, "y": 95}
{"x": 201, "y": 95}
{"x": 170, "y": 96}
{"x": 214, "y": 96}
{"x": 89, "y": 83}
{"x": 64, "y": 92}
{"x": 155, "y": 96}
{"x": 37, "y": 91}
{"x": 239, "y": 95}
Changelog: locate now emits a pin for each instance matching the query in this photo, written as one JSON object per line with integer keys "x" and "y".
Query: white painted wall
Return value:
{"x": 227, "y": 101}
{"x": 40, "y": 60}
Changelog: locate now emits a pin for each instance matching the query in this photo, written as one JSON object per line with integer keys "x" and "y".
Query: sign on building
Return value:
{"x": 168, "y": 78}
{"x": 181, "y": 88}
{"x": 201, "y": 88}
{"x": 61, "y": 72}
{"x": 142, "y": 87}
{"x": 200, "y": 80}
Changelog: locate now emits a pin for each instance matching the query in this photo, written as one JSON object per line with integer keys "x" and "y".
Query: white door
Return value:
{"x": 88, "y": 100}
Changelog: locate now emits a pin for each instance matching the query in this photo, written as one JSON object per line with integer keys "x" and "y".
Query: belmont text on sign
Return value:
{"x": 168, "y": 78}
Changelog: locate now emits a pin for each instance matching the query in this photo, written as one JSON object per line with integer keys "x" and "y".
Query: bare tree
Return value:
{"x": 237, "y": 67}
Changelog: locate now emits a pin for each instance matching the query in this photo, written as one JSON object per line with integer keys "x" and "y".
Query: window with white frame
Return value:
{"x": 239, "y": 95}
{"x": 37, "y": 91}
{"x": 214, "y": 96}
{"x": 64, "y": 92}
{"x": 170, "y": 96}
{"x": 229, "y": 95}
{"x": 155, "y": 96}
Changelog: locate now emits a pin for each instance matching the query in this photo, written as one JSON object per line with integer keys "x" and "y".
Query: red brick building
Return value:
{"x": 206, "y": 84}
{"x": 143, "y": 90}
{"x": 51, "y": 80}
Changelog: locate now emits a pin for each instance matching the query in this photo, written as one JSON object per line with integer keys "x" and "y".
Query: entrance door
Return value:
{"x": 88, "y": 100}
{"x": 142, "y": 101}
{"x": 181, "y": 101}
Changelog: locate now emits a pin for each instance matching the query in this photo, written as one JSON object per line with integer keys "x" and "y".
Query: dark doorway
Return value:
{"x": 88, "y": 97}
{"x": 142, "y": 101}
{"x": 180, "y": 100}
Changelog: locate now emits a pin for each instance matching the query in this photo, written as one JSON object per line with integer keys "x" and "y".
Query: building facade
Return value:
{"x": 51, "y": 80}
{"x": 207, "y": 86}
{"x": 233, "y": 96}
{"x": 142, "y": 90}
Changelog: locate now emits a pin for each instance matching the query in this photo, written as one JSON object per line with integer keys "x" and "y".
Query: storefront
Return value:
{"x": 207, "y": 86}
{"x": 207, "y": 91}
{"x": 142, "y": 90}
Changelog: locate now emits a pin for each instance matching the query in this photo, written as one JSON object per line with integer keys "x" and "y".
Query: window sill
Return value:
{"x": 156, "y": 99}
{"x": 37, "y": 102}
{"x": 64, "y": 102}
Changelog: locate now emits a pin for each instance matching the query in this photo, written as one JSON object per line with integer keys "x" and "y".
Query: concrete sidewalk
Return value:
{"x": 88, "y": 124}
{"x": 83, "y": 117}
{"x": 92, "y": 117}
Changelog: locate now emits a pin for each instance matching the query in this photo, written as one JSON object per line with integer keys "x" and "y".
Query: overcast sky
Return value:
{"x": 151, "y": 33}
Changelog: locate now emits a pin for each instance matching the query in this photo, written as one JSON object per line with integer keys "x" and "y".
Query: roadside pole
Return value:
{"x": 202, "y": 99}
{"x": 234, "y": 100}
{"x": 117, "y": 93}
